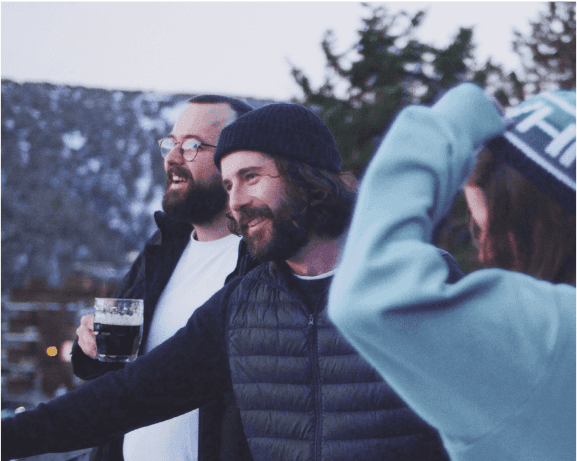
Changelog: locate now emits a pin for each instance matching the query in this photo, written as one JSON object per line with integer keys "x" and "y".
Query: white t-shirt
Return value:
{"x": 200, "y": 273}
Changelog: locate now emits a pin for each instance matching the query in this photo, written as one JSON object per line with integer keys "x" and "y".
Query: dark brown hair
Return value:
{"x": 544, "y": 233}
{"x": 327, "y": 200}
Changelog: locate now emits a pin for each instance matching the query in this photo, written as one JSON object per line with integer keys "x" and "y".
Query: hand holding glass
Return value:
{"x": 118, "y": 328}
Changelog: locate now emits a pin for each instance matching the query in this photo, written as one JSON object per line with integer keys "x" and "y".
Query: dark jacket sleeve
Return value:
{"x": 132, "y": 286}
{"x": 185, "y": 372}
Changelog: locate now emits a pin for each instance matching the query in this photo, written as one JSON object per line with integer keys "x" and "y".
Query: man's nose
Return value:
{"x": 237, "y": 199}
{"x": 174, "y": 156}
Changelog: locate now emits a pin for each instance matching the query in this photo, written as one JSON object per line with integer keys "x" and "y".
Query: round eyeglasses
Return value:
{"x": 188, "y": 148}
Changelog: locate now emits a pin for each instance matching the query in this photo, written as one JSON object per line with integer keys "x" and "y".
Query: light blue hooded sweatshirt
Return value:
{"x": 490, "y": 360}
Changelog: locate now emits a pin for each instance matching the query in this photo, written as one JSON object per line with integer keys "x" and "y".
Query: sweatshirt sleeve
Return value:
{"x": 183, "y": 373}
{"x": 465, "y": 356}
{"x": 86, "y": 367}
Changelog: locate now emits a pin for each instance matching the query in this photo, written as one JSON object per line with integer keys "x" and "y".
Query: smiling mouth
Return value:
{"x": 176, "y": 180}
{"x": 255, "y": 222}
{"x": 251, "y": 225}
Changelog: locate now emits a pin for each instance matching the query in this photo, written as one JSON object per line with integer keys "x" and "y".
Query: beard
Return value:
{"x": 289, "y": 232}
{"x": 199, "y": 204}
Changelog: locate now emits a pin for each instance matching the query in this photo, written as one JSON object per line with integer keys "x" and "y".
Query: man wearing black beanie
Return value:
{"x": 302, "y": 391}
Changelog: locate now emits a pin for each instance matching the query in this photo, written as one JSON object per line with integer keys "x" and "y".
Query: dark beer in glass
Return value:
{"x": 118, "y": 328}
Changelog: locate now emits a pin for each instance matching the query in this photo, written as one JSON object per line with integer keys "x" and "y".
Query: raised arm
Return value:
{"x": 466, "y": 356}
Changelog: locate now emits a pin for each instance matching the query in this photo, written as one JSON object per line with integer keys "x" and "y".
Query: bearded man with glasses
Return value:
{"x": 190, "y": 257}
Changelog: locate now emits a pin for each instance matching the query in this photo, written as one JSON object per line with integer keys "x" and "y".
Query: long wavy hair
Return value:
{"x": 543, "y": 232}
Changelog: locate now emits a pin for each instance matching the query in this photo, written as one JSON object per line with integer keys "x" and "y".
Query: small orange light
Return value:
{"x": 52, "y": 351}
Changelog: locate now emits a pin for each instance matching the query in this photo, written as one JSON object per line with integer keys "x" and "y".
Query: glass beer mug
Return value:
{"x": 118, "y": 328}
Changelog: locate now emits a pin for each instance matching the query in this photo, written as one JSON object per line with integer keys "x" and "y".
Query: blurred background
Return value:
{"x": 88, "y": 88}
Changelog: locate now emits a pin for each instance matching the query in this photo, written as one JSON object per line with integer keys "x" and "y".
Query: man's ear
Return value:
{"x": 349, "y": 179}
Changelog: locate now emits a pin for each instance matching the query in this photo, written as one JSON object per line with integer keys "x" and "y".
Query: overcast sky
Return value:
{"x": 235, "y": 48}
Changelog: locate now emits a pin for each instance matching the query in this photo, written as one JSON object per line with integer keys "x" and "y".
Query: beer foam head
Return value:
{"x": 111, "y": 311}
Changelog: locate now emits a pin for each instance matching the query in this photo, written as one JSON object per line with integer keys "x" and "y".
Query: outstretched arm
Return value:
{"x": 185, "y": 372}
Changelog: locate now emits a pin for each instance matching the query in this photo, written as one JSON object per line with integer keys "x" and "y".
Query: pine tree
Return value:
{"x": 387, "y": 69}
{"x": 548, "y": 53}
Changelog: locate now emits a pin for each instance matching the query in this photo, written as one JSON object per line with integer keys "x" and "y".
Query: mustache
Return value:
{"x": 248, "y": 214}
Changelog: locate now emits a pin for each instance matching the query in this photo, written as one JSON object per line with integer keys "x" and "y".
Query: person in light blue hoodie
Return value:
{"x": 489, "y": 360}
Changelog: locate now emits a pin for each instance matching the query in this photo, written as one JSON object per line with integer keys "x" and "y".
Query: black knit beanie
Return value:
{"x": 283, "y": 129}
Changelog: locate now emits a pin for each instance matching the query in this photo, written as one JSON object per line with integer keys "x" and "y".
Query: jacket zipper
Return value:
{"x": 317, "y": 388}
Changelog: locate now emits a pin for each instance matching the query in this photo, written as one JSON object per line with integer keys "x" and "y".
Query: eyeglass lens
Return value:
{"x": 189, "y": 147}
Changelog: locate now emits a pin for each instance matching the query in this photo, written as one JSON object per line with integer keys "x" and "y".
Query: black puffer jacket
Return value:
{"x": 302, "y": 391}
